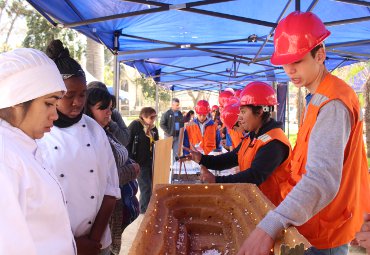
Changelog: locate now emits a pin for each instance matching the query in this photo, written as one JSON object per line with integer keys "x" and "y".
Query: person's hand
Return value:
{"x": 206, "y": 176}
{"x": 258, "y": 243}
{"x": 194, "y": 154}
{"x": 86, "y": 246}
{"x": 363, "y": 236}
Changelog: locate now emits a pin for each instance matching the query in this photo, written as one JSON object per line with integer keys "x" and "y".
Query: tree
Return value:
{"x": 148, "y": 86}
{"x": 95, "y": 59}
{"x": 3, "y": 4}
{"x": 14, "y": 10}
{"x": 367, "y": 115}
{"x": 200, "y": 95}
{"x": 366, "y": 95}
{"x": 41, "y": 32}
{"x": 300, "y": 103}
{"x": 109, "y": 66}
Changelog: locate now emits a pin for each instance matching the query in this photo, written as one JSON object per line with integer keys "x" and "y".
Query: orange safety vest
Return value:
{"x": 236, "y": 137}
{"x": 208, "y": 139}
{"x": 277, "y": 185}
{"x": 337, "y": 223}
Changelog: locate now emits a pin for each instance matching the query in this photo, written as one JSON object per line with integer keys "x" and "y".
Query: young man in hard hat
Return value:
{"x": 329, "y": 159}
{"x": 263, "y": 155}
{"x": 203, "y": 134}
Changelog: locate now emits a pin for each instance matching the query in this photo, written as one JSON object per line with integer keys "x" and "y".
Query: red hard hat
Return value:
{"x": 224, "y": 95}
{"x": 202, "y": 107}
{"x": 296, "y": 35}
{"x": 214, "y": 108}
{"x": 231, "y": 90}
{"x": 229, "y": 115}
{"x": 237, "y": 92}
{"x": 258, "y": 93}
{"x": 232, "y": 100}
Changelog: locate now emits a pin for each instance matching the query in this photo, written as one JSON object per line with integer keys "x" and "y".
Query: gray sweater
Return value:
{"x": 118, "y": 128}
{"x": 324, "y": 166}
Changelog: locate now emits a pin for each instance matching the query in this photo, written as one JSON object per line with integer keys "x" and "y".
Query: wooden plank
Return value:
{"x": 162, "y": 161}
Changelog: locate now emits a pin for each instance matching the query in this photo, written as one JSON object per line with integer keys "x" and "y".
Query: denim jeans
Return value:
{"x": 145, "y": 179}
{"x": 175, "y": 147}
{"x": 340, "y": 250}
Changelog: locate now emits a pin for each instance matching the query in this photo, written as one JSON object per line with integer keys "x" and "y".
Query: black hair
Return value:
{"x": 188, "y": 115}
{"x": 256, "y": 110}
{"x": 96, "y": 95}
{"x": 316, "y": 49}
{"x": 97, "y": 84}
{"x": 175, "y": 100}
{"x": 68, "y": 67}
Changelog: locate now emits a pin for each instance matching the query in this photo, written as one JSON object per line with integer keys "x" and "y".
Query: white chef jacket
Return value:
{"x": 84, "y": 164}
{"x": 34, "y": 218}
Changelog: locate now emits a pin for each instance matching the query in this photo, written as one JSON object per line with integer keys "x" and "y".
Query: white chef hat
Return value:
{"x": 26, "y": 74}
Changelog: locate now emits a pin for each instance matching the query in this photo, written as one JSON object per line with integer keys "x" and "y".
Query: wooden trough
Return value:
{"x": 207, "y": 219}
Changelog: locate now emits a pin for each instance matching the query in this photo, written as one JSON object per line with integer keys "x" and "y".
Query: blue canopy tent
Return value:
{"x": 208, "y": 44}
{"x": 211, "y": 41}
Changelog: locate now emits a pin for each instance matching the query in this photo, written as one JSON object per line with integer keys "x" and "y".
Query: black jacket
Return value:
{"x": 267, "y": 159}
{"x": 140, "y": 150}
{"x": 168, "y": 122}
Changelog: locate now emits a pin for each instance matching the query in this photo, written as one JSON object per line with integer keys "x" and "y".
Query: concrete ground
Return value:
{"x": 129, "y": 234}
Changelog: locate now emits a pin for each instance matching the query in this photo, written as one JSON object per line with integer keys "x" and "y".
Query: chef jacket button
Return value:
{"x": 92, "y": 197}
{"x": 61, "y": 175}
{"x": 89, "y": 222}
{"x": 56, "y": 147}
{"x": 91, "y": 170}
{"x": 88, "y": 145}
{"x": 83, "y": 125}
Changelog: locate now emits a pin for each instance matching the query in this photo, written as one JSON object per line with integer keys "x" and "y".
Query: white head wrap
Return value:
{"x": 26, "y": 74}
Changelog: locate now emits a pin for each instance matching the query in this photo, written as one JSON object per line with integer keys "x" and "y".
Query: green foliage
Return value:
{"x": 348, "y": 73}
{"x": 361, "y": 99}
{"x": 148, "y": 87}
{"x": 108, "y": 75}
{"x": 292, "y": 139}
{"x": 11, "y": 10}
{"x": 16, "y": 7}
{"x": 40, "y": 32}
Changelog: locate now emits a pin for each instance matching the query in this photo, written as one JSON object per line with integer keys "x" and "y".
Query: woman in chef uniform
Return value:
{"x": 78, "y": 149}
{"x": 34, "y": 218}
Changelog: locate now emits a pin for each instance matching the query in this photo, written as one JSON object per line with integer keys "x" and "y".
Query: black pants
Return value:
{"x": 145, "y": 184}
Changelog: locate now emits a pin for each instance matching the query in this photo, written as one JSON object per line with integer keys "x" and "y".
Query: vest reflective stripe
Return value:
{"x": 265, "y": 138}
{"x": 278, "y": 184}
{"x": 337, "y": 223}
{"x": 208, "y": 140}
